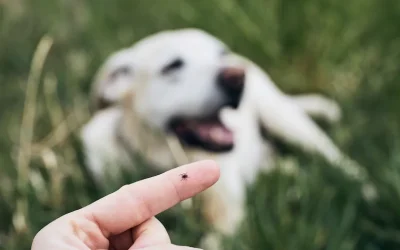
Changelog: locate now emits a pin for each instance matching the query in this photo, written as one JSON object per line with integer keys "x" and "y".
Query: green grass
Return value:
{"x": 348, "y": 50}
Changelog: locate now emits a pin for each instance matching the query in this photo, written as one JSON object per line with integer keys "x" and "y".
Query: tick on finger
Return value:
{"x": 184, "y": 176}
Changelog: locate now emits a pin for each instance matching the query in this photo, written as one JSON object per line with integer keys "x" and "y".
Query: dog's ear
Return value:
{"x": 112, "y": 80}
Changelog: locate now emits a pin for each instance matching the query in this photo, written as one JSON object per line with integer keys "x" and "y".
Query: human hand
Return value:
{"x": 124, "y": 220}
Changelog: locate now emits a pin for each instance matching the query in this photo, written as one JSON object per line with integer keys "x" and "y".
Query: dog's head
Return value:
{"x": 181, "y": 80}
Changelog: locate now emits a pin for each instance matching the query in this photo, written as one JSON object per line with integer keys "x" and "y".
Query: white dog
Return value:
{"x": 180, "y": 96}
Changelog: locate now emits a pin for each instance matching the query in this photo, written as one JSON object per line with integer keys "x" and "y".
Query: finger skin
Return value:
{"x": 150, "y": 233}
{"x": 168, "y": 247}
{"x": 135, "y": 203}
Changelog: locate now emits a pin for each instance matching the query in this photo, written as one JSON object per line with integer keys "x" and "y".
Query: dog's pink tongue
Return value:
{"x": 221, "y": 135}
{"x": 216, "y": 133}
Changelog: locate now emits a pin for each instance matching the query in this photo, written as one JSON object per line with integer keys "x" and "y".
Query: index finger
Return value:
{"x": 135, "y": 203}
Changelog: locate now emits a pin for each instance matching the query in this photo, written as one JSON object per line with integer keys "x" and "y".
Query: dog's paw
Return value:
{"x": 333, "y": 112}
{"x": 319, "y": 106}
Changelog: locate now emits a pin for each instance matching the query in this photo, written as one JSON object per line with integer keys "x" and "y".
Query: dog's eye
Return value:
{"x": 172, "y": 66}
{"x": 121, "y": 71}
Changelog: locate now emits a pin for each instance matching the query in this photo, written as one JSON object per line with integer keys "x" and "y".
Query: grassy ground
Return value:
{"x": 349, "y": 50}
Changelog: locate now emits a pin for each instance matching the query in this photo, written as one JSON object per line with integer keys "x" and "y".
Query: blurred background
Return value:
{"x": 347, "y": 50}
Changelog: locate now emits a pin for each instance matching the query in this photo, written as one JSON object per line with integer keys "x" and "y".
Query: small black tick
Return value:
{"x": 184, "y": 176}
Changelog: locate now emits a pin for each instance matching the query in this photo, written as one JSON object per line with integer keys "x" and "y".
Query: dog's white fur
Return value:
{"x": 144, "y": 101}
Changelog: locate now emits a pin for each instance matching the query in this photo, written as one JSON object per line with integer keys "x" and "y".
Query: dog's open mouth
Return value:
{"x": 209, "y": 134}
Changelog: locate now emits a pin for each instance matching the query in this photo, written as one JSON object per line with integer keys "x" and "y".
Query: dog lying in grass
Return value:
{"x": 180, "y": 96}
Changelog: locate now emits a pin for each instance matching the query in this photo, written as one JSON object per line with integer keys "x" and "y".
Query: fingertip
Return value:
{"x": 211, "y": 165}
{"x": 213, "y": 170}
{"x": 209, "y": 169}
{"x": 199, "y": 176}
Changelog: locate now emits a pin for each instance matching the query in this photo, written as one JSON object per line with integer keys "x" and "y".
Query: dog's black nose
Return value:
{"x": 232, "y": 80}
